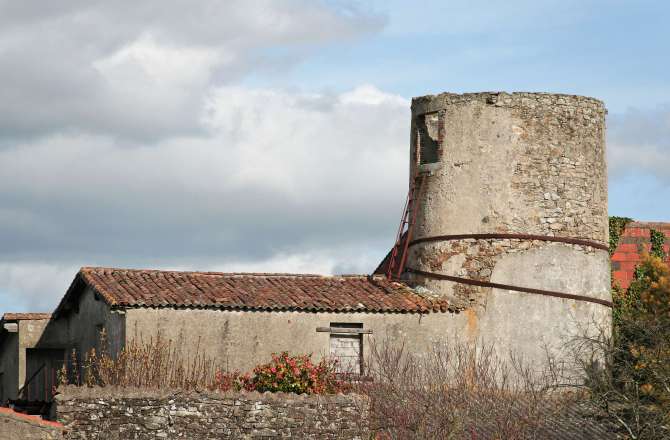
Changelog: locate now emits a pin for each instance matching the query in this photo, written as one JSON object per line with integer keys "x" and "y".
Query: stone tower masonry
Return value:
{"x": 511, "y": 216}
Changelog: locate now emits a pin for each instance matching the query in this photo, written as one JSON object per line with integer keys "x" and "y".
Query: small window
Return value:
{"x": 428, "y": 137}
{"x": 347, "y": 348}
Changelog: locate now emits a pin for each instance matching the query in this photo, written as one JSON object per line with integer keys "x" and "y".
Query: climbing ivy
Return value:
{"x": 657, "y": 239}
{"x": 617, "y": 225}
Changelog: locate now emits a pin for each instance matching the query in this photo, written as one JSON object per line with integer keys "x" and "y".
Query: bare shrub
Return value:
{"x": 154, "y": 363}
{"x": 160, "y": 363}
{"x": 460, "y": 392}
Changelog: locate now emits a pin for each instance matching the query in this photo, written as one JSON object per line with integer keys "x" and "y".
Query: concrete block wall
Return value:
{"x": 97, "y": 413}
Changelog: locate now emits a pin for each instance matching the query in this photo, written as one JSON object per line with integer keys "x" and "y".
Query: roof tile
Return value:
{"x": 154, "y": 288}
{"x": 25, "y": 316}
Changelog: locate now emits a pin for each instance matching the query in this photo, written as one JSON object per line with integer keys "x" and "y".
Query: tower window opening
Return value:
{"x": 428, "y": 137}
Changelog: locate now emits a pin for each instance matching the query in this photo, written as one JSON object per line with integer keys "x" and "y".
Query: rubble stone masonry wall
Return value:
{"x": 520, "y": 163}
{"x": 110, "y": 414}
{"x": 529, "y": 164}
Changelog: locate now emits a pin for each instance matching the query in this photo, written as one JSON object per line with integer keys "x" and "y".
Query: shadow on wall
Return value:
{"x": 73, "y": 330}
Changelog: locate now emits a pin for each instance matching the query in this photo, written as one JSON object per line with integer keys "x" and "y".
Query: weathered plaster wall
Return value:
{"x": 9, "y": 366}
{"x": 242, "y": 339}
{"x": 539, "y": 325}
{"x": 13, "y": 354}
{"x": 79, "y": 329}
{"x": 102, "y": 413}
{"x": 30, "y": 333}
{"x": 524, "y": 163}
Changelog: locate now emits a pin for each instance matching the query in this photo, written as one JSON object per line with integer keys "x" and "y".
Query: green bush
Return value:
{"x": 616, "y": 227}
{"x": 634, "y": 388}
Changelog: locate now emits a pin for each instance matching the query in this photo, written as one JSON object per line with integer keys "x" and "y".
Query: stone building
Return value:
{"x": 238, "y": 320}
{"x": 20, "y": 333}
{"x": 504, "y": 241}
{"x": 508, "y": 216}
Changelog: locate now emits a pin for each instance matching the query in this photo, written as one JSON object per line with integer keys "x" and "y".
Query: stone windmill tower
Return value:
{"x": 507, "y": 215}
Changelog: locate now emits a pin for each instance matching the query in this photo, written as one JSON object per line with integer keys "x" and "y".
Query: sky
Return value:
{"x": 273, "y": 135}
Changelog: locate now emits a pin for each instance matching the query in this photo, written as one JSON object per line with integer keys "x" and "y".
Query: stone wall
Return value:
{"x": 520, "y": 163}
{"x": 93, "y": 413}
{"x": 513, "y": 165}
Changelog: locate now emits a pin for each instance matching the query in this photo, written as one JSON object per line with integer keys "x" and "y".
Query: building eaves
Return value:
{"x": 132, "y": 288}
{"x": 24, "y": 316}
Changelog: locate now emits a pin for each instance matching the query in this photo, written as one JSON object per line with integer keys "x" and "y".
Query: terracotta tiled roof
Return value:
{"x": 25, "y": 316}
{"x": 236, "y": 291}
{"x": 634, "y": 239}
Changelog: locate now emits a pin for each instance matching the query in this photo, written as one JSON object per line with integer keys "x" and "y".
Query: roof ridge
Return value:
{"x": 217, "y": 273}
{"x": 24, "y": 316}
{"x": 638, "y": 223}
{"x": 247, "y": 291}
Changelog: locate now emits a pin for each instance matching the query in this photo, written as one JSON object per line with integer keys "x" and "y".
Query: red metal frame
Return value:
{"x": 408, "y": 219}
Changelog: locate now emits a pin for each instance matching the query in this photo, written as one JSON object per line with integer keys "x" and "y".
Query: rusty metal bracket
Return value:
{"x": 568, "y": 240}
{"x": 509, "y": 287}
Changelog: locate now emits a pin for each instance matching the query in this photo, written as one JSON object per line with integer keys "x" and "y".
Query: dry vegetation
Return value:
{"x": 633, "y": 389}
{"x": 155, "y": 363}
{"x": 452, "y": 392}
{"x": 463, "y": 392}
{"x": 161, "y": 364}
{"x": 455, "y": 391}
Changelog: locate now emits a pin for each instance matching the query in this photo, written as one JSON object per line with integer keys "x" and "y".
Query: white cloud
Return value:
{"x": 147, "y": 61}
{"x": 33, "y": 286}
{"x": 127, "y": 140}
{"x": 139, "y": 70}
{"x": 371, "y": 95}
{"x": 283, "y": 181}
{"x": 639, "y": 142}
{"x": 285, "y": 140}
{"x": 347, "y": 260}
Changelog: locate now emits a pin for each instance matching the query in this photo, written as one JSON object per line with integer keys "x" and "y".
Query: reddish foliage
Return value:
{"x": 285, "y": 373}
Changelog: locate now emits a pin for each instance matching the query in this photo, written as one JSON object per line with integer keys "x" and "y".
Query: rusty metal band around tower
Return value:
{"x": 568, "y": 240}
{"x": 510, "y": 287}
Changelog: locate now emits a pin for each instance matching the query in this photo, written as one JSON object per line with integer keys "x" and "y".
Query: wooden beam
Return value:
{"x": 344, "y": 330}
